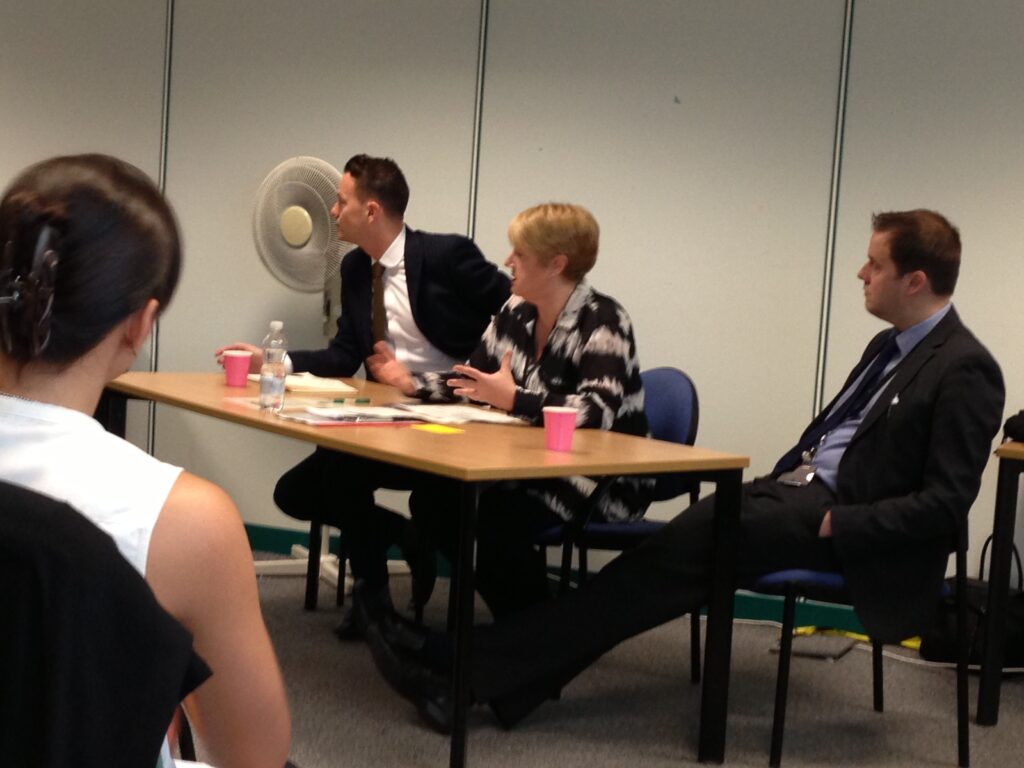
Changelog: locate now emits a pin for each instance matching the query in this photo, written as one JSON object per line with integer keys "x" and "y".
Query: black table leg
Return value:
{"x": 464, "y": 586}
{"x": 112, "y": 412}
{"x": 998, "y": 588}
{"x": 714, "y": 701}
{"x": 316, "y": 532}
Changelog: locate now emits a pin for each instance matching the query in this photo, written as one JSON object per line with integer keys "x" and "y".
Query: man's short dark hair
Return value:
{"x": 923, "y": 240}
{"x": 380, "y": 179}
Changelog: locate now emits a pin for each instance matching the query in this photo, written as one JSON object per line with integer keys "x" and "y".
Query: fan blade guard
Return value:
{"x": 292, "y": 228}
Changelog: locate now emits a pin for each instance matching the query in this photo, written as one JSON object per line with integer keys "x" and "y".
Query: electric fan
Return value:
{"x": 294, "y": 233}
{"x": 298, "y": 242}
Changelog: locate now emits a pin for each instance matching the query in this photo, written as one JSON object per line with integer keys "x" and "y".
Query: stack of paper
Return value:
{"x": 337, "y": 414}
{"x": 307, "y": 382}
{"x": 458, "y": 414}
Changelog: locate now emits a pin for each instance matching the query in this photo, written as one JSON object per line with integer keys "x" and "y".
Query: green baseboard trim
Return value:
{"x": 267, "y": 538}
{"x": 264, "y": 538}
{"x": 758, "y": 607}
{"x": 749, "y": 605}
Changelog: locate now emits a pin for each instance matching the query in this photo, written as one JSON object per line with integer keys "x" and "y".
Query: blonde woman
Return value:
{"x": 558, "y": 342}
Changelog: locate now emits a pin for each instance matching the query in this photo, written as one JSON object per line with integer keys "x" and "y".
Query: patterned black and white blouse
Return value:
{"x": 589, "y": 362}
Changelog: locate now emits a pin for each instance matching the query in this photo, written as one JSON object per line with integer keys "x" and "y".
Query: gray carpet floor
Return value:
{"x": 635, "y": 707}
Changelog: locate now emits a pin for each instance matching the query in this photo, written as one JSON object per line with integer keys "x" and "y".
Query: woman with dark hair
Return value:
{"x": 89, "y": 256}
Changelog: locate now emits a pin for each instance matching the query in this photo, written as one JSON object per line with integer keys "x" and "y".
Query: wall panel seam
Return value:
{"x": 478, "y": 108}
{"x": 165, "y": 115}
{"x": 833, "y": 211}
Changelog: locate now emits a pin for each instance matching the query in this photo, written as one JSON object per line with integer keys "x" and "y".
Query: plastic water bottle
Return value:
{"x": 273, "y": 372}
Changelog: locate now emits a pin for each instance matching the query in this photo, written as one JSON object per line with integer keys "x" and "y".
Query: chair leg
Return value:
{"x": 876, "y": 675}
{"x": 339, "y": 596}
{"x": 566, "y": 571}
{"x": 962, "y": 731}
{"x": 313, "y": 565}
{"x": 453, "y": 600}
{"x": 695, "y": 647}
{"x": 782, "y": 679}
{"x": 584, "y": 570}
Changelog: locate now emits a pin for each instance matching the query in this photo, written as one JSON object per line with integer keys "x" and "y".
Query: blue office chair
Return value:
{"x": 830, "y": 587}
{"x": 672, "y": 410}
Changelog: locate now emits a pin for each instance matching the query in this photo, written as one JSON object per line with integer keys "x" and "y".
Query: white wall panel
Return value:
{"x": 252, "y": 86}
{"x": 80, "y": 77}
{"x": 935, "y": 113}
{"x": 700, "y": 135}
{"x": 83, "y": 77}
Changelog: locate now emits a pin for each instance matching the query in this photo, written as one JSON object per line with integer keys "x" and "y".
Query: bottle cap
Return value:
{"x": 276, "y": 325}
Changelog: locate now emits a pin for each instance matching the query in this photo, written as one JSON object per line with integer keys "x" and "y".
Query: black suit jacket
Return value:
{"x": 911, "y": 470}
{"x": 453, "y": 292}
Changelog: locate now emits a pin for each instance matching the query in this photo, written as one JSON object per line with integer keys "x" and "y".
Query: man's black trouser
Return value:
{"x": 542, "y": 648}
{"x": 337, "y": 489}
{"x": 511, "y": 572}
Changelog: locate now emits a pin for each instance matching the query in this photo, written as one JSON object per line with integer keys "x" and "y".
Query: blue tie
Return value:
{"x": 869, "y": 384}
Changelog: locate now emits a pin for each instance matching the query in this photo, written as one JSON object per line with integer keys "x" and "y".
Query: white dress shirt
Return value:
{"x": 411, "y": 347}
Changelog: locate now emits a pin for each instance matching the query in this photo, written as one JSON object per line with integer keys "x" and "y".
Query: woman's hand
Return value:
{"x": 385, "y": 368}
{"x": 497, "y": 389}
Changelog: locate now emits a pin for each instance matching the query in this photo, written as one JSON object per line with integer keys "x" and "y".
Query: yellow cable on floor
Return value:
{"x": 911, "y": 643}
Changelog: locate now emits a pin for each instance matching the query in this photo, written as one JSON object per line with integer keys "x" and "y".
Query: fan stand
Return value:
{"x": 298, "y": 562}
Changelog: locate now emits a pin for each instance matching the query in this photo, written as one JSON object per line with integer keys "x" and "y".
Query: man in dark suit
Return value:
{"x": 874, "y": 488}
{"x": 438, "y": 295}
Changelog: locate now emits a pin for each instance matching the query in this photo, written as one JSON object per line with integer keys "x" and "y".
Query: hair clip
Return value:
{"x": 10, "y": 286}
{"x": 43, "y": 278}
{"x": 26, "y": 300}
{"x": 14, "y": 297}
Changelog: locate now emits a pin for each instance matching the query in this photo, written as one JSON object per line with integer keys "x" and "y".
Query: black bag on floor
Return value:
{"x": 939, "y": 642}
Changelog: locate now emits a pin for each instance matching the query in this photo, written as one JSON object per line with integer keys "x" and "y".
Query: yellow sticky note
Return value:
{"x": 438, "y": 429}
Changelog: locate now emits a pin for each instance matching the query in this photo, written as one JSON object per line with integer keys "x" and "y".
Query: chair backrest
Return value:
{"x": 672, "y": 409}
{"x": 93, "y": 665}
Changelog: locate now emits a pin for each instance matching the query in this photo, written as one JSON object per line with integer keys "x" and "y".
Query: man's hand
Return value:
{"x": 255, "y": 362}
{"x": 825, "y": 531}
{"x": 497, "y": 389}
{"x": 385, "y": 368}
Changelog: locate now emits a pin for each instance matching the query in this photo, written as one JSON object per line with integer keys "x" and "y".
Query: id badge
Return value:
{"x": 800, "y": 476}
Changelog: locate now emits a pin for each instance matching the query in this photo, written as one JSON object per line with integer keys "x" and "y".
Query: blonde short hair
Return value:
{"x": 552, "y": 228}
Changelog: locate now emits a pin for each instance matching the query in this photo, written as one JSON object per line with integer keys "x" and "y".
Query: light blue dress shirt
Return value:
{"x": 830, "y": 451}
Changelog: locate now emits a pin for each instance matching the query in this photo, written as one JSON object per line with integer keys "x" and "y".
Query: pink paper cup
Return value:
{"x": 236, "y": 367}
{"x": 559, "y": 424}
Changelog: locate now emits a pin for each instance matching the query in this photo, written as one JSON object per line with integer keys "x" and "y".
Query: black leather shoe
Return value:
{"x": 424, "y": 646}
{"x": 404, "y": 635}
{"x": 437, "y": 710}
{"x": 410, "y": 679}
{"x": 367, "y": 607}
{"x": 511, "y": 709}
{"x": 348, "y": 629}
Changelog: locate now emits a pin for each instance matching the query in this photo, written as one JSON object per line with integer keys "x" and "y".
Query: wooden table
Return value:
{"x": 480, "y": 454}
{"x": 1011, "y": 464}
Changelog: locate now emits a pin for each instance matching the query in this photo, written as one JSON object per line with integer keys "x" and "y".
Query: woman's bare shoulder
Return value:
{"x": 198, "y": 539}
